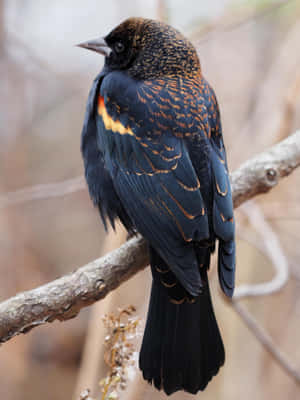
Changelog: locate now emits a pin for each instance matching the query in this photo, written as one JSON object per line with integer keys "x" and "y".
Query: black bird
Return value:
{"x": 154, "y": 158}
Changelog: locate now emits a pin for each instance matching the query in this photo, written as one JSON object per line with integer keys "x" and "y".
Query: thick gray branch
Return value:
{"x": 63, "y": 298}
{"x": 263, "y": 172}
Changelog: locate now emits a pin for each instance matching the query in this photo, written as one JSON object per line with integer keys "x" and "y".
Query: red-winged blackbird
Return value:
{"x": 154, "y": 158}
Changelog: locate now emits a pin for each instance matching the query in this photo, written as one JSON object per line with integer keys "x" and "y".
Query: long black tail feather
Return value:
{"x": 182, "y": 347}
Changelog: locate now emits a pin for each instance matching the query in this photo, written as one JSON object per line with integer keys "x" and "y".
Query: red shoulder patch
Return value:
{"x": 109, "y": 123}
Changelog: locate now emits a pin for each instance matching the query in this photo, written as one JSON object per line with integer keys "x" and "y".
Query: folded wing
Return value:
{"x": 153, "y": 176}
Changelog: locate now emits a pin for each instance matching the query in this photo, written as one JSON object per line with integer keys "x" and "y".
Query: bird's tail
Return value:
{"x": 182, "y": 347}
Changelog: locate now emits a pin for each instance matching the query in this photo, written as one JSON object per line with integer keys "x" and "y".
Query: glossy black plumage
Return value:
{"x": 154, "y": 158}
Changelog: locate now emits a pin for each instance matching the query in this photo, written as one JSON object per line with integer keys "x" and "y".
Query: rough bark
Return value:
{"x": 63, "y": 298}
{"x": 261, "y": 173}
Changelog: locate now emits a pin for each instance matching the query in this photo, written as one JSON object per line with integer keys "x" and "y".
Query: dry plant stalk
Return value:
{"x": 120, "y": 354}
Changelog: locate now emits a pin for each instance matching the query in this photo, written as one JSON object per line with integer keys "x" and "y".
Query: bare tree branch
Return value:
{"x": 270, "y": 244}
{"x": 263, "y": 172}
{"x": 43, "y": 191}
{"x": 222, "y": 25}
{"x": 63, "y": 298}
{"x": 265, "y": 339}
{"x": 289, "y": 108}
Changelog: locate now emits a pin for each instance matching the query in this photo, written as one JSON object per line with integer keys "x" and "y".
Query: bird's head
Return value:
{"x": 146, "y": 49}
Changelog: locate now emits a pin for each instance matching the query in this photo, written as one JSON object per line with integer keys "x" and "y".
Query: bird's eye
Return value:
{"x": 119, "y": 47}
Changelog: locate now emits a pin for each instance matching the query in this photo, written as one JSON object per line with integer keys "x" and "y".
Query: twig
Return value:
{"x": 266, "y": 341}
{"x": 62, "y": 299}
{"x": 2, "y": 27}
{"x": 274, "y": 251}
{"x": 289, "y": 108}
{"x": 266, "y": 99}
{"x": 161, "y": 13}
{"x": 44, "y": 191}
{"x": 207, "y": 32}
{"x": 270, "y": 245}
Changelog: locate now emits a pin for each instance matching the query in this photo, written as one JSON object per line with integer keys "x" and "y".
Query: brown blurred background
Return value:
{"x": 250, "y": 53}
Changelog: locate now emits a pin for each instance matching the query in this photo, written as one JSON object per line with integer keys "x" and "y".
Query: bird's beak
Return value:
{"x": 99, "y": 45}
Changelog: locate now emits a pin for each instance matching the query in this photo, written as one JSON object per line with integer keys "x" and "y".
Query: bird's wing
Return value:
{"x": 140, "y": 132}
{"x": 97, "y": 176}
{"x": 223, "y": 218}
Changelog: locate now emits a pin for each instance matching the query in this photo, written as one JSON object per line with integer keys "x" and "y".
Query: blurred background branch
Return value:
{"x": 2, "y": 31}
{"x": 266, "y": 341}
{"x": 267, "y": 242}
{"x": 227, "y": 23}
{"x": 43, "y": 191}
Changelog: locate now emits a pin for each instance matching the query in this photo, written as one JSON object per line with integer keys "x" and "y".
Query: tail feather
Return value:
{"x": 182, "y": 347}
{"x": 226, "y": 266}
